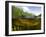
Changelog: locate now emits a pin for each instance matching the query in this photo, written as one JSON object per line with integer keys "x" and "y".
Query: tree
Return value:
{"x": 18, "y": 11}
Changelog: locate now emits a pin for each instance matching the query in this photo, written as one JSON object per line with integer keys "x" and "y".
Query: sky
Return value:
{"x": 30, "y": 9}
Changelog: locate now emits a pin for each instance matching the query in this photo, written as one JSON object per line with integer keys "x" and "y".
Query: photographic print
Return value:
{"x": 25, "y": 18}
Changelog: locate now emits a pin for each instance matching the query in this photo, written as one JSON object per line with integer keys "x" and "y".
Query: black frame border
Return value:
{"x": 7, "y": 17}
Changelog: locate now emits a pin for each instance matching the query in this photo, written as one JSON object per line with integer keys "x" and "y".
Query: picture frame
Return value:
{"x": 9, "y": 17}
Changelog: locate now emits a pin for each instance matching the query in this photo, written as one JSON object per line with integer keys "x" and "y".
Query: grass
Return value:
{"x": 26, "y": 24}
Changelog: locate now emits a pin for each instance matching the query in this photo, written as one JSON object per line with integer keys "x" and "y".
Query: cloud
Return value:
{"x": 26, "y": 9}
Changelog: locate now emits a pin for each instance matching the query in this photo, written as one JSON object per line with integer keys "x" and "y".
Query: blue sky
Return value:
{"x": 32, "y": 9}
{"x": 36, "y": 10}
